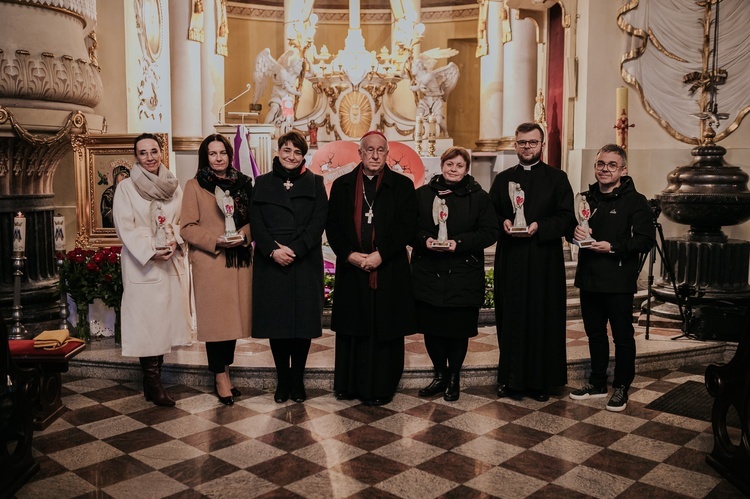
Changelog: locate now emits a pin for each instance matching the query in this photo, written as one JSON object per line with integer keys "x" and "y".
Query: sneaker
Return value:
{"x": 589, "y": 391}
{"x": 619, "y": 400}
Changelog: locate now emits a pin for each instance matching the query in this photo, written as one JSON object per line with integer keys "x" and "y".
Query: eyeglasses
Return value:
{"x": 370, "y": 151}
{"x": 610, "y": 167}
{"x": 527, "y": 143}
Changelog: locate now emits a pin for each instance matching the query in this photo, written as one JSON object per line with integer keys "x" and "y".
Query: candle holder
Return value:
{"x": 419, "y": 133}
{"x": 17, "y": 330}
{"x": 431, "y": 135}
{"x": 64, "y": 311}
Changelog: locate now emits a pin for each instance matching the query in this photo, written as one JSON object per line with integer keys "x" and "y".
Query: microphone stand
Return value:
{"x": 232, "y": 100}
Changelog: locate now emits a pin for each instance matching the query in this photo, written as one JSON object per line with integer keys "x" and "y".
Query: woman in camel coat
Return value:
{"x": 222, "y": 272}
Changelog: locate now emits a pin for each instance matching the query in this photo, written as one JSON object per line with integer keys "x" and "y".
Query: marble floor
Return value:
{"x": 112, "y": 443}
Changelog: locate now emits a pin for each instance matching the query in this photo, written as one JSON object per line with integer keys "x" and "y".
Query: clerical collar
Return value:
{"x": 370, "y": 177}
{"x": 528, "y": 167}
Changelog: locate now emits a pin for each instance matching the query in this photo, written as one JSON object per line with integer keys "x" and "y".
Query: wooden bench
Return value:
{"x": 50, "y": 364}
{"x": 19, "y": 391}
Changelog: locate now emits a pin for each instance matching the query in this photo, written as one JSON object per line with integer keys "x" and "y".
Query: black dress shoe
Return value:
{"x": 453, "y": 390}
{"x": 504, "y": 391}
{"x": 298, "y": 394}
{"x": 236, "y": 392}
{"x": 344, "y": 396}
{"x": 281, "y": 395}
{"x": 437, "y": 385}
{"x": 378, "y": 401}
{"x": 540, "y": 395}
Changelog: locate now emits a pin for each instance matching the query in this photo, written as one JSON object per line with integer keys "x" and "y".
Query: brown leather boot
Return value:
{"x": 152, "y": 387}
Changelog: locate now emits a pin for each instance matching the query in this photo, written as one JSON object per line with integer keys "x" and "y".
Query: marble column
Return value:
{"x": 519, "y": 61}
{"x": 185, "y": 66}
{"x": 491, "y": 83}
{"x": 212, "y": 72}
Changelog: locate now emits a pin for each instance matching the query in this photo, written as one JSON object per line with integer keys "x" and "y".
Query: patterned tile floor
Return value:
{"x": 112, "y": 443}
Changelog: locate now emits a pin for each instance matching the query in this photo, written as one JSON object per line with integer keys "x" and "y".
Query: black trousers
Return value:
{"x": 220, "y": 354}
{"x": 446, "y": 352}
{"x": 290, "y": 357}
{"x": 616, "y": 308}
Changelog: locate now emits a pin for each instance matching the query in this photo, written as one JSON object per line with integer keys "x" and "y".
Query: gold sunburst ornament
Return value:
{"x": 355, "y": 114}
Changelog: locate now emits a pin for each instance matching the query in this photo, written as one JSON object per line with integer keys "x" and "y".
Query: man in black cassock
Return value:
{"x": 530, "y": 291}
{"x": 372, "y": 216}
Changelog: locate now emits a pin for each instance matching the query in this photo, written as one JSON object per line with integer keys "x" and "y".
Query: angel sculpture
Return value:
{"x": 283, "y": 74}
{"x": 432, "y": 86}
{"x": 517, "y": 199}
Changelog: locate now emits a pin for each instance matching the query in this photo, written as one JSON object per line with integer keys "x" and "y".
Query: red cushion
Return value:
{"x": 23, "y": 348}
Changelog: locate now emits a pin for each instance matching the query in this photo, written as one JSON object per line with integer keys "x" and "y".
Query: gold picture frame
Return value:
{"x": 99, "y": 160}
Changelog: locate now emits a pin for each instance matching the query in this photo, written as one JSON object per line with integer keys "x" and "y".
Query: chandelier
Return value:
{"x": 354, "y": 64}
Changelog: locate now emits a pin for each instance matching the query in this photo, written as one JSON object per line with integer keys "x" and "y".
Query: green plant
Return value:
{"x": 489, "y": 289}
{"x": 329, "y": 280}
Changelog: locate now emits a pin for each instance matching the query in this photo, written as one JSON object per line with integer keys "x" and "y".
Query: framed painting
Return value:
{"x": 101, "y": 162}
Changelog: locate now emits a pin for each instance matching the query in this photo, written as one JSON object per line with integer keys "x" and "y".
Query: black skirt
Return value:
{"x": 447, "y": 322}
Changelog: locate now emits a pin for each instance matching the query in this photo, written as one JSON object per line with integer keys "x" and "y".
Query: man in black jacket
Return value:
{"x": 622, "y": 225}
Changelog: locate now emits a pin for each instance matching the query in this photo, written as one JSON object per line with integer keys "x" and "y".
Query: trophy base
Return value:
{"x": 436, "y": 244}
{"x": 519, "y": 232}
{"x": 585, "y": 243}
{"x": 233, "y": 239}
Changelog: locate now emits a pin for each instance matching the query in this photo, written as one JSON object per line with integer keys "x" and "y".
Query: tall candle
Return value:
{"x": 19, "y": 233}
{"x": 58, "y": 232}
{"x": 419, "y": 128}
{"x": 353, "y": 14}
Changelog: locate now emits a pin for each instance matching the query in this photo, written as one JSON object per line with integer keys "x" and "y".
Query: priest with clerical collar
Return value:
{"x": 530, "y": 295}
{"x": 371, "y": 218}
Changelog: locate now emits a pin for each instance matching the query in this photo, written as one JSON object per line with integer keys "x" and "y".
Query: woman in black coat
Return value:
{"x": 448, "y": 266}
{"x": 288, "y": 215}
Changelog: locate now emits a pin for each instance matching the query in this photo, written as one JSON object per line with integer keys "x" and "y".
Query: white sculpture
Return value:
{"x": 432, "y": 86}
{"x": 283, "y": 74}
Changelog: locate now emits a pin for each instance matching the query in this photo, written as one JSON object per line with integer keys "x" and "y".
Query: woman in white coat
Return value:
{"x": 155, "y": 312}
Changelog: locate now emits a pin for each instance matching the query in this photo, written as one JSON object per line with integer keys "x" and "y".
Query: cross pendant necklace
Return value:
{"x": 369, "y": 213}
{"x": 288, "y": 184}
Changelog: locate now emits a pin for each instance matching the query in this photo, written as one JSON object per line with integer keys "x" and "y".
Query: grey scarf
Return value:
{"x": 152, "y": 187}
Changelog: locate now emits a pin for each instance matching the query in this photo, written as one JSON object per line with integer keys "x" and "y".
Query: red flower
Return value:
{"x": 92, "y": 267}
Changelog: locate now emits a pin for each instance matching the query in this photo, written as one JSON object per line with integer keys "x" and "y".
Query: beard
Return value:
{"x": 529, "y": 160}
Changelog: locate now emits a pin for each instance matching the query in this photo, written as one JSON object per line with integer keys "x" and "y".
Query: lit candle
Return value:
{"x": 353, "y": 14}
{"x": 19, "y": 233}
{"x": 58, "y": 232}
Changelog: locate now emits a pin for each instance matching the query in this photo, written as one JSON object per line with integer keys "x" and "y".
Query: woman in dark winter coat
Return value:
{"x": 288, "y": 215}
{"x": 456, "y": 222}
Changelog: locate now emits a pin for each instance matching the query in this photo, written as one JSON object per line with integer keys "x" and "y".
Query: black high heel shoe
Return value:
{"x": 224, "y": 400}
{"x": 236, "y": 392}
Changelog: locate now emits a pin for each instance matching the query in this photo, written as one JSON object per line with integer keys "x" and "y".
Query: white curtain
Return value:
{"x": 665, "y": 43}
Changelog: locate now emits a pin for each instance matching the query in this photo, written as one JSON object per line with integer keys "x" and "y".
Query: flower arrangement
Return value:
{"x": 87, "y": 275}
